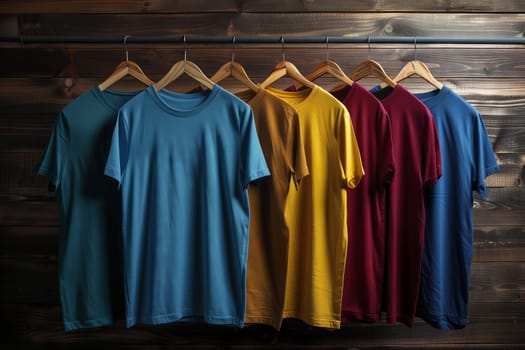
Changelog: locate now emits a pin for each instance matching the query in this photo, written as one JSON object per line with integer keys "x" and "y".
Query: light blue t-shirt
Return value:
{"x": 90, "y": 275}
{"x": 467, "y": 159}
{"x": 184, "y": 163}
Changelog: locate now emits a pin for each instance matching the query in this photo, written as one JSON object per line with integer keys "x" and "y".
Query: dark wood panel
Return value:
{"x": 478, "y": 311}
{"x": 24, "y": 195}
{"x": 502, "y": 207}
{"x": 40, "y": 324}
{"x": 510, "y": 174}
{"x": 8, "y": 25}
{"x": 498, "y": 272}
{"x": 24, "y": 201}
{"x": 43, "y": 96}
{"x": 38, "y": 80}
{"x": 20, "y": 210}
{"x": 494, "y": 213}
{"x": 116, "y": 7}
{"x": 509, "y": 198}
{"x": 497, "y": 243}
{"x": 30, "y": 132}
{"x": 379, "y": 6}
{"x": 18, "y": 170}
{"x": 22, "y": 274}
{"x": 337, "y": 23}
{"x": 488, "y": 309}
{"x": 25, "y": 132}
{"x": 501, "y": 101}
{"x": 508, "y": 139}
{"x": 39, "y": 210}
{"x": 49, "y": 63}
{"x": 454, "y": 64}
{"x": 497, "y": 282}
{"x": 29, "y": 279}
{"x": 83, "y": 6}
{"x": 111, "y": 25}
{"x": 491, "y": 243}
{"x": 29, "y": 240}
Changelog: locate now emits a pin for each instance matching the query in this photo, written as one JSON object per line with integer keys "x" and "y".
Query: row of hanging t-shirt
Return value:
{"x": 361, "y": 201}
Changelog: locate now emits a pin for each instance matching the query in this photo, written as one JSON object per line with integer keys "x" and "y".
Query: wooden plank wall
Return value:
{"x": 38, "y": 80}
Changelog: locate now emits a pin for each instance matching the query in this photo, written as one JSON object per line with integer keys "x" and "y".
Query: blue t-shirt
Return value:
{"x": 184, "y": 163}
{"x": 467, "y": 159}
{"x": 89, "y": 262}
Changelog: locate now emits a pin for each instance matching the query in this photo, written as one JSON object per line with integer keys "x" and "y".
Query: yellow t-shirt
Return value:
{"x": 279, "y": 134}
{"x": 316, "y": 210}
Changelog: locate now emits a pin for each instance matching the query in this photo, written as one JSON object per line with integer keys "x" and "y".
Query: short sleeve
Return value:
{"x": 386, "y": 152}
{"x": 253, "y": 165}
{"x": 295, "y": 151}
{"x": 485, "y": 163}
{"x": 55, "y": 156}
{"x": 351, "y": 164}
{"x": 118, "y": 151}
{"x": 432, "y": 169}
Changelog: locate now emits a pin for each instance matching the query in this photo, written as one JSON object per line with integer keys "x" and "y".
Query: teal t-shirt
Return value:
{"x": 90, "y": 276}
{"x": 184, "y": 163}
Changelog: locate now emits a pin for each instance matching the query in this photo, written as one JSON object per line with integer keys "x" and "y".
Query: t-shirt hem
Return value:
{"x": 317, "y": 322}
{"x": 42, "y": 170}
{"x": 491, "y": 170}
{"x": 355, "y": 181}
{"x": 162, "y": 319}
{"x": 111, "y": 172}
{"x": 72, "y": 325}
{"x": 265, "y": 320}
{"x": 443, "y": 321}
{"x": 488, "y": 171}
{"x": 258, "y": 176}
{"x": 356, "y": 316}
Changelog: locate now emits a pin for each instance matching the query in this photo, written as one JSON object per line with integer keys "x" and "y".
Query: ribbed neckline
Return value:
{"x": 103, "y": 96}
{"x": 388, "y": 94}
{"x": 305, "y": 94}
{"x": 434, "y": 97}
{"x": 175, "y": 99}
{"x": 346, "y": 93}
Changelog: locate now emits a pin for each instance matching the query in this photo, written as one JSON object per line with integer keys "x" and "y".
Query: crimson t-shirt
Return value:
{"x": 364, "y": 271}
{"x": 418, "y": 166}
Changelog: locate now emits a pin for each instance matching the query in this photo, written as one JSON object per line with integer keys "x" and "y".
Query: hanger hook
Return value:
{"x": 126, "y": 47}
{"x": 184, "y": 41}
{"x": 415, "y": 48}
{"x": 233, "y": 48}
{"x": 368, "y": 40}
{"x": 326, "y": 48}
{"x": 282, "y": 48}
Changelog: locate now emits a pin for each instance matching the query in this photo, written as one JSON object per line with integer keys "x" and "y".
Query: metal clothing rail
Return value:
{"x": 252, "y": 39}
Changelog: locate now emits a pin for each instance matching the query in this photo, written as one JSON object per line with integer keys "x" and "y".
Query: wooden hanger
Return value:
{"x": 416, "y": 67}
{"x": 234, "y": 69}
{"x": 328, "y": 67}
{"x": 286, "y": 68}
{"x": 371, "y": 67}
{"x": 181, "y": 67}
{"x": 123, "y": 69}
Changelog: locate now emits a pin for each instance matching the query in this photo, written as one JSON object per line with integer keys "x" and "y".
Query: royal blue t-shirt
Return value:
{"x": 184, "y": 163}
{"x": 467, "y": 159}
{"x": 89, "y": 262}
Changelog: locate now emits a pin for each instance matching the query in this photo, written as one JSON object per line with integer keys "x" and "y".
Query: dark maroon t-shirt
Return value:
{"x": 418, "y": 165}
{"x": 364, "y": 273}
